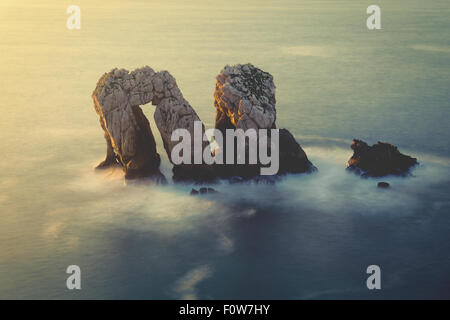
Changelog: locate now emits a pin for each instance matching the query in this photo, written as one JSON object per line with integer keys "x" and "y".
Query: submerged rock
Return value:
{"x": 379, "y": 160}
{"x": 383, "y": 185}
{"x": 203, "y": 190}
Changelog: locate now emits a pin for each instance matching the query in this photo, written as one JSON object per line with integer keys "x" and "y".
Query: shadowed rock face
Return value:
{"x": 129, "y": 139}
{"x": 244, "y": 98}
{"x": 292, "y": 157}
{"x": 379, "y": 160}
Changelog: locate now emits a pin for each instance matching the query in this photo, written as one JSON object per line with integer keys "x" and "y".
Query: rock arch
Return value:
{"x": 130, "y": 141}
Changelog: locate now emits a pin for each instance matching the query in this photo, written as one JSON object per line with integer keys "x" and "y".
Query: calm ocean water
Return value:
{"x": 308, "y": 236}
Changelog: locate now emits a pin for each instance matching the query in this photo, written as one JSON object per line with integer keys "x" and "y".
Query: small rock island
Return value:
{"x": 379, "y": 160}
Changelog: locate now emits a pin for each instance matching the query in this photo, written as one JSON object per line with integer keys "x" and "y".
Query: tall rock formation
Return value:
{"x": 117, "y": 100}
{"x": 244, "y": 98}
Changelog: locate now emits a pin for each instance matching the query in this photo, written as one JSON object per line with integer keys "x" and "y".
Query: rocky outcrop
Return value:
{"x": 379, "y": 160}
{"x": 245, "y": 99}
{"x": 292, "y": 157}
{"x": 174, "y": 112}
{"x": 129, "y": 139}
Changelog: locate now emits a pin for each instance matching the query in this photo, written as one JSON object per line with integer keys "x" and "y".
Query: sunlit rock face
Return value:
{"x": 379, "y": 160}
{"x": 174, "y": 112}
{"x": 129, "y": 139}
{"x": 244, "y": 98}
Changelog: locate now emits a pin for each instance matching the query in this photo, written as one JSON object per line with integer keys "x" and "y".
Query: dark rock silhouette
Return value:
{"x": 195, "y": 172}
{"x": 203, "y": 191}
{"x": 383, "y": 185}
{"x": 292, "y": 157}
{"x": 379, "y": 160}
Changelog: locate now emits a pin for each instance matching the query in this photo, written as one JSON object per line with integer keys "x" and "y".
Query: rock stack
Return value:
{"x": 379, "y": 160}
{"x": 244, "y": 99}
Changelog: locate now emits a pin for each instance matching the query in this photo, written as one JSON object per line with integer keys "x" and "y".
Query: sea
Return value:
{"x": 308, "y": 236}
